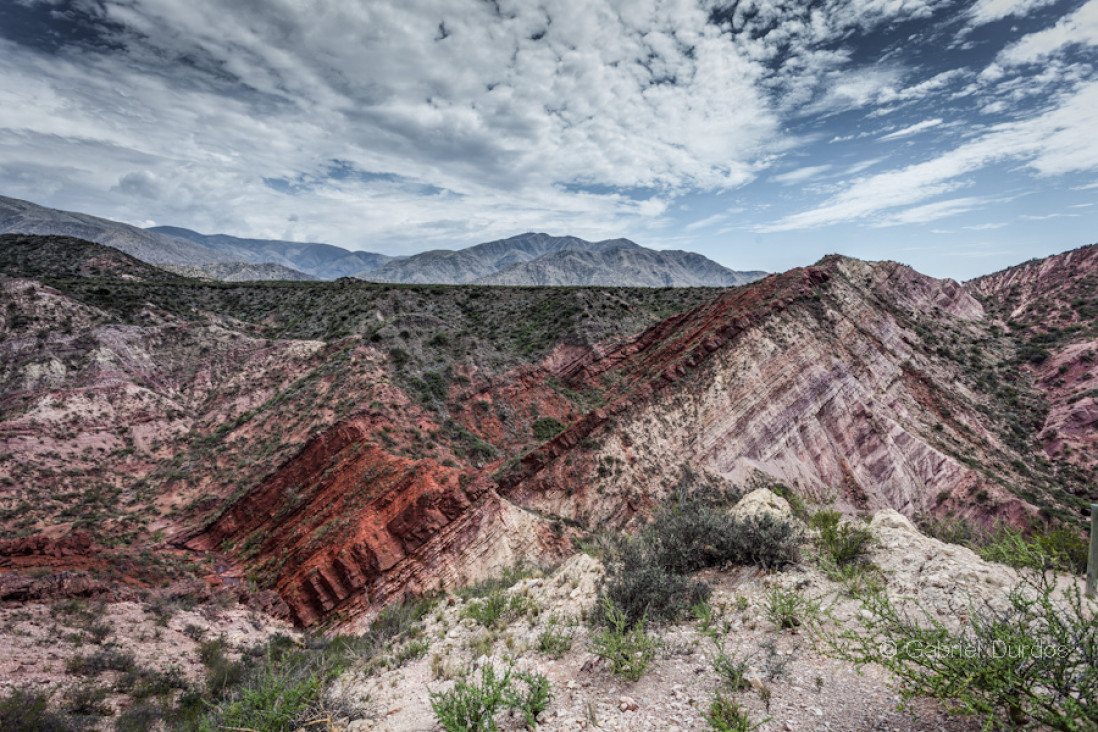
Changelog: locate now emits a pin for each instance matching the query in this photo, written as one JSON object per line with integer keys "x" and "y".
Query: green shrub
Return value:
{"x": 402, "y": 618}
{"x": 624, "y": 643}
{"x": 697, "y": 531}
{"x": 1032, "y": 662}
{"x": 222, "y": 673}
{"x": 731, "y": 671}
{"x": 28, "y": 711}
{"x": 796, "y": 503}
{"x": 496, "y": 609}
{"x": 790, "y": 608}
{"x": 142, "y": 683}
{"x": 471, "y": 707}
{"x": 273, "y": 698}
{"x": 725, "y": 715}
{"x": 766, "y": 541}
{"x": 87, "y": 700}
{"x": 842, "y": 543}
{"x": 104, "y": 659}
{"x": 638, "y": 586}
{"x": 547, "y": 428}
{"x": 554, "y": 641}
{"x": 1053, "y": 547}
{"x": 142, "y": 717}
{"x": 536, "y": 698}
{"x": 644, "y": 576}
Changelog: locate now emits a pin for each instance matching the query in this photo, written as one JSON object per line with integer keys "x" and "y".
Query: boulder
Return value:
{"x": 759, "y": 501}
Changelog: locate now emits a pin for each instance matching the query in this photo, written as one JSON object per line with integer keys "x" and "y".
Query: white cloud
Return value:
{"x": 861, "y": 166}
{"x": 209, "y": 99}
{"x": 913, "y": 129}
{"x": 934, "y": 211}
{"x": 703, "y": 223}
{"x": 1081, "y": 27}
{"x": 396, "y": 124}
{"x": 985, "y": 227}
{"x": 1046, "y": 217}
{"x": 800, "y": 175}
{"x": 987, "y": 11}
{"x": 1058, "y": 141}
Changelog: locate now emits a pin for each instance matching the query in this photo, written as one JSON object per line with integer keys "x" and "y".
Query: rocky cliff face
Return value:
{"x": 818, "y": 379}
{"x": 347, "y": 443}
{"x": 1049, "y": 307}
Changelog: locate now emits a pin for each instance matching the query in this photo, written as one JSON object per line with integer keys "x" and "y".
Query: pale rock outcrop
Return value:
{"x": 947, "y": 579}
{"x": 762, "y": 501}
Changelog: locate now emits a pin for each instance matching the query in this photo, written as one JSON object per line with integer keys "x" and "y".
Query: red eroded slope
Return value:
{"x": 336, "y": 517}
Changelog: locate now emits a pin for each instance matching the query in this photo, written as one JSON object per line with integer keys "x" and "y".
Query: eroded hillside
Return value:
{"x": 348, "y": 443}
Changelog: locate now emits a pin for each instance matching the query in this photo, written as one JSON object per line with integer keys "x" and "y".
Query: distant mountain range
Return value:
{"x": 322, "y": 261}
{"x": 23, "y": 217}
{"x": 632, "y": 266}
{"x": 531, "y": 259}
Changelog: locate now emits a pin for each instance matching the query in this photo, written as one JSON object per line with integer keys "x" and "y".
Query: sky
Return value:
{"x": 957, "y": 137}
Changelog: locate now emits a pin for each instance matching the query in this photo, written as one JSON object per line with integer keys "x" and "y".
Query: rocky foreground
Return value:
{"x": 792, "y": 678}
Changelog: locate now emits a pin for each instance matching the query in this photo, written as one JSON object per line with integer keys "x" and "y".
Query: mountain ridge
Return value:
{"x": 529, "y": 259}
{"x": 541, "y": 260}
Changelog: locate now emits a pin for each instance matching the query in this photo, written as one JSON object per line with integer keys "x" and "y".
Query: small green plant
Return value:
{"x": 725, "y": 715}
{"x": 731, "y": 671}
{"x": 707, "y": 619}
{"x": 536, "y": 698}
{"x": 555, "y": 640}
{"x": 410, "y": 651}
{"x": 472, "y": 707}
{"x": 842, "y": 543}
{"x": 496, "y": 609}
{"x": 625, "y": 644}
{"x": 796, "y": 503}
{"x": 790, "y": 608}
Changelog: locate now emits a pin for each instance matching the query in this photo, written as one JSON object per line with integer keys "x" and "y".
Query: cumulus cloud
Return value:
{"x": 1079, "y": 28}
{"x": 419, "y": 123}
{"x": 987, "y": 11}
{"x": 569, "y": 93}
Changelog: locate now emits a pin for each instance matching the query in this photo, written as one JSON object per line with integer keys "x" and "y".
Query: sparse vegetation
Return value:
{"x": 1060, "y": 548}
{"x": 556, "y": 639}
{"x": 791, "y": 607}
{"x": 547, "y": 428}
{"x": 1033, "y": 661}
{"x": 646, "y": 575}
{"x": 624, "y": 643}
{"x": 496, "y": 609}
{"x": 725, "y": 715}
{"x": 842, "y": 543}
{"x": 472, "y": 707}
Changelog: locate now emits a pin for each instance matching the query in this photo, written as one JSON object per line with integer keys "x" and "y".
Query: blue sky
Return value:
{"x": 958, "y": 137}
